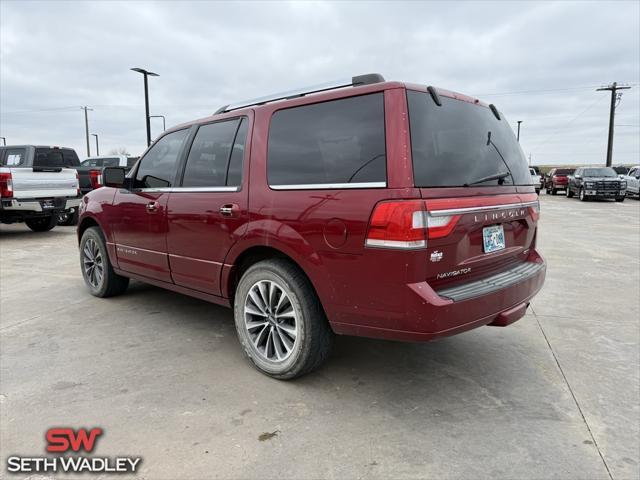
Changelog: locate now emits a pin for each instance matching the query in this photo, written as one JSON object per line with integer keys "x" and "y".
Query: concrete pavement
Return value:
{"x": 555, "y": 395}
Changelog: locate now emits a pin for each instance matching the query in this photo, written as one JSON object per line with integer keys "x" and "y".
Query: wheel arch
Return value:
{"x": 253, "y": 254}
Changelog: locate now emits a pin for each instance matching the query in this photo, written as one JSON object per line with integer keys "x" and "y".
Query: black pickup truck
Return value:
{"x": 596, "y": 182}
{"x": 90, "y": 170}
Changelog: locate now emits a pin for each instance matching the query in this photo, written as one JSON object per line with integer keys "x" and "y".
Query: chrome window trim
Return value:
{"x": 457, "y": 211}
{"x": 329, "y": 186}
{"x": 188, "y": 189}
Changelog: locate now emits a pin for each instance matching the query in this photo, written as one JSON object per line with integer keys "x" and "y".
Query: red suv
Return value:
{"x": 370, "y": 208}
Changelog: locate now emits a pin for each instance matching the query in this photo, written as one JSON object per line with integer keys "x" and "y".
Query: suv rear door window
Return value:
{"x": 459, "y": 143}
{"x": 211, "y": 156}
{"x": 158, "y": 167}
{"x": 329, "y": 144}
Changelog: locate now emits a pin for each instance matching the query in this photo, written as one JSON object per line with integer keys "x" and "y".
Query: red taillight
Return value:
{"x": 406, "y": 224}
{"x": 95, "y": 178}
{"x": 398, "y": 224}
{"x": 6, "y": 185}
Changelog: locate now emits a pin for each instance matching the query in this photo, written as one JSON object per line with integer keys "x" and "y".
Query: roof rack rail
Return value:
{"x": 359, "y": 80}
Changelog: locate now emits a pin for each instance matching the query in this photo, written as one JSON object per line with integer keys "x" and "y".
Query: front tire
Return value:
{"x": 569, "y": 193}
{"x": 554, "y": 191}
{"x": 620, "y": 199}
{"x": 96, "y": 268}
{"x": 280, "y": 322}
{"x": 42, "y": 224}
{"x": 583, "y": 196}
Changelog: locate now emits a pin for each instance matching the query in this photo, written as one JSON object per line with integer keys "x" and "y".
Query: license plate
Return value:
{"x": 47, "y": 204}
{"x": 493, "y": 238}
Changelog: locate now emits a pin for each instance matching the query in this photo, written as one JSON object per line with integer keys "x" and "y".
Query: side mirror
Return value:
{"x": 114, "y": 177}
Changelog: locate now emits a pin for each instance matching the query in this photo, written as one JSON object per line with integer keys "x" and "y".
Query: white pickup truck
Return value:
{"x": 36, "y": 186}
{"x": 633, "y": 181}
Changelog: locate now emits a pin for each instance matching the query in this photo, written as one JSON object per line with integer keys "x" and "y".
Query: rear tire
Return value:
{"x": 280, "y": 322}
{"x": 554, "y": 191}
{"x": 42, "y": 224}
{"x": 96, "y": 268}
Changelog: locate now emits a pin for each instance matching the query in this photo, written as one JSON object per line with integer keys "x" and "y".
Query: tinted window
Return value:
{"x": 208, "y": 164}
{"x": 158, "y": 167}
{"x": 14, "y": 157}
{"x": 70, "y": 158}
{"x": 48, "y": 157}
{"x": 234, "y": 172}
{"x": 341, "y": 141}
{"x": 564, "y": 171}
{"x": 460, "y": 143}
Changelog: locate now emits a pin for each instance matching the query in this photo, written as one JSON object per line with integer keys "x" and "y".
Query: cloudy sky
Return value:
{"x": 539, "y": 62}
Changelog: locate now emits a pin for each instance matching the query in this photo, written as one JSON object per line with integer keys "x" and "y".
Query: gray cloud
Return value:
{"x": 56, "y": 56}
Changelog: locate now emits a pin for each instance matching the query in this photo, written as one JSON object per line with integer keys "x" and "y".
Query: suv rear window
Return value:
{"x": 328, "y": 144}
{"x": 460, "y": 143}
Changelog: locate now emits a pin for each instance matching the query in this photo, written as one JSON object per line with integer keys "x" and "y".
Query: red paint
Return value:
{"x": 186, "y": 245}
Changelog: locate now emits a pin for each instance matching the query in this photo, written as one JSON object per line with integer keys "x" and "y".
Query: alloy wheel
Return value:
{"x": 92, "y": 263}
{"x": 271, "y": 321}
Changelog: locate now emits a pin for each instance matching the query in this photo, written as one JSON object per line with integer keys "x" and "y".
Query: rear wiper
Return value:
{"x": 496, "y": 176}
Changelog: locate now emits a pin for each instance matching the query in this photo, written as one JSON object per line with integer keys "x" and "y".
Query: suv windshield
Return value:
{"x": 599, "y": 172}
{"x": 460, "y": 144}
{"x": 564, "y": 171}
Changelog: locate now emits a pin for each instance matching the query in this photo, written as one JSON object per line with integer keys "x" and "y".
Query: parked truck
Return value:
{"x": 36, "y": 186}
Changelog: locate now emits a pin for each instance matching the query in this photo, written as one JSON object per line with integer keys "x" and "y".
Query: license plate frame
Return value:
{"x": 493, "y": 239}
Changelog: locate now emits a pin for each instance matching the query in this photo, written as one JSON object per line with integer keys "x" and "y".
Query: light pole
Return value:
{"x": 97, "y": 146}
{"x": 4, "y": 141}
{"x": 519, "y": 122}
{"x": 146, "y": 74}
{"x": 164, "y": 125}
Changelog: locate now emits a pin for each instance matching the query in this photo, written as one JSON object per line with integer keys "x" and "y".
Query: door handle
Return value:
{"x": 152, "y": 207}
{"x": 230, "y": 210}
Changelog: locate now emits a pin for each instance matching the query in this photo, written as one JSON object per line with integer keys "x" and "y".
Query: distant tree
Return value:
{"x": 119, "y": 151}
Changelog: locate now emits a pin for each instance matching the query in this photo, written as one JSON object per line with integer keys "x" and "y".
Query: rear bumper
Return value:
{"x": 498, "y": 300}
{"x": 35, "y": 205}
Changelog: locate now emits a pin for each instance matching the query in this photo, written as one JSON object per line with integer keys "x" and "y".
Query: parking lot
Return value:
{"x": 556, "y": 395}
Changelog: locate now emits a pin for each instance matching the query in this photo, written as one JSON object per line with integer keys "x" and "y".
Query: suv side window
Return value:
{"x": 329, "y": 144}
{"x": 158, "y": 167}
{"x": 215, "y": 158}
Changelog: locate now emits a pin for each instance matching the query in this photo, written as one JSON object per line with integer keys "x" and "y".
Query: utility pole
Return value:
{"x": 86, "y": 127}
{"x": 97, "y": 145}
{"x": 613, "y": 88}
{"x": 519, "y": 122}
